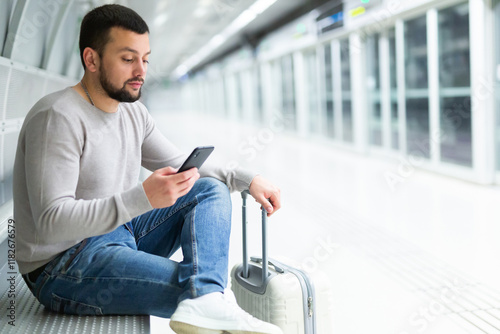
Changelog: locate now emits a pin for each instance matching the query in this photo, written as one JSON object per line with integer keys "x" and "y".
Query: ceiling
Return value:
{"x": 179, "y": 28}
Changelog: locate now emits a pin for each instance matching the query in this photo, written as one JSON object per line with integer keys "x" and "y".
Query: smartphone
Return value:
{"x": 196, "y": 158}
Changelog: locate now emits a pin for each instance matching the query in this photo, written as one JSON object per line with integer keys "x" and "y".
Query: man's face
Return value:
{"x": 123, "y": 65}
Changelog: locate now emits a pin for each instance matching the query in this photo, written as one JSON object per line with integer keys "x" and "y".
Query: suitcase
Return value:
{"x": 279, "y": 293}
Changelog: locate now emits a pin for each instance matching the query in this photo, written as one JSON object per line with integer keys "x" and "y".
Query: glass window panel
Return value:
{"x": 347, "y": 124}
{"x": 328, "y": 77}
{"x": 373, "y": 62}
{"x": 416, "y": 53}
{"x": 456, "y": 134}
{"x": 259, "y": 104}
{"x": 312, "y": 89}
{"x": 393, "y": 89}
{"x": 454, "y": 72}
{"x": 345, "y": 64}
{"x": 417, "y": 94}
{"x": 225, "y": 96}
{"x": 376, "y": 124}
{"x": 373, "y": 85}
{"x": 288, "y": 91}
{"x": 330, "y": 130}
{"x": 454, "y": 47}
{"x": 417, "y": 126}
{"x": 239, "y": 94}
{"x": 276, "y": 87}
{"x": 392, "y": 58}
{"x": 394, "y": 126}
{"x": 328, "y": 69}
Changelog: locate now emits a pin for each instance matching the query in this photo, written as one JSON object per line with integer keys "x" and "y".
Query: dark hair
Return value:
{"x": 94, "y": 31}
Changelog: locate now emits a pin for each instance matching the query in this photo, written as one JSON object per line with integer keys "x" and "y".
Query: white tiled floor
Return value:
{"x": 422, "y": 258}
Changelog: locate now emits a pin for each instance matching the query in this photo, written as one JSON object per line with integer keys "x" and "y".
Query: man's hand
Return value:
{"x": 265, "y": 193}
{"x": 164, "y": 186}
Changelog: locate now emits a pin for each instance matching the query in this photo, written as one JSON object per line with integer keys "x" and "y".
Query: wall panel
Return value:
{"x": 25, "y": 89}
{"x": 4, "y": 76}
{"x": 55, "y": 84}
{"x": 31, "y": 25}
{"x": 20, "y": 88}
{"x": 5, "y": 10}
{"x": 9, "y": 145}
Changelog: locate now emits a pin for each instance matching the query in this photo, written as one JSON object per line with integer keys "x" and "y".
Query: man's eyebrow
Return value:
{"x": 132, "y": 50}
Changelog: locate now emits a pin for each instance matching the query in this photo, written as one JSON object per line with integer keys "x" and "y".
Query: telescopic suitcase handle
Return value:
{"x": 265, "y": 262}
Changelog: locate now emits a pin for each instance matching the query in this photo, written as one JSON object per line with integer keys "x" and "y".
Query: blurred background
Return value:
{"x": 378, "y": 119}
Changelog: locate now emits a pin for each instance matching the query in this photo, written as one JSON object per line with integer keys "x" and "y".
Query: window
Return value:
{"x": 239, "y": 94}
{"x": 417, "y": 93}
{"x": 276, "y": 88}
{"x": 345, "y": 63}
{"x": 328, "y": 93}
{"x": 288, "y": 91}
{"x": 454, "y": 78}
{"x": 373, "y": 88}
{"x": 259, "y": 104}
{"x": 393, "y": 90}
{"x": 312, "y": 91}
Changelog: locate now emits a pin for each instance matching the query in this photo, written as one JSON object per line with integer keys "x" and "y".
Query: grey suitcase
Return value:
{"x": 278, "y": 293}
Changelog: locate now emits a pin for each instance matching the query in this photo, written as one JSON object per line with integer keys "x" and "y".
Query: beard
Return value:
{"x": 118, "y": 94}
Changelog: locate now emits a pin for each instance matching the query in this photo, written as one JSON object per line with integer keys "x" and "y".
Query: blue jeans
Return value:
{"x": 128, "y": 271}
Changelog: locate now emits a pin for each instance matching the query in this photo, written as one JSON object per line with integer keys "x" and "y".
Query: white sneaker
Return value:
{"x": 217, "y": 313}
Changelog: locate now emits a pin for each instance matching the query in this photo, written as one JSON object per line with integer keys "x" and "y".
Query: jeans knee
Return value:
{"x": 215, "y": 189}
{"x": 214, "y": 185}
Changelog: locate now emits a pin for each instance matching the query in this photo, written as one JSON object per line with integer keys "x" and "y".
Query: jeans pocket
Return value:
{"x": 67, "y": 306}
{"x": 129, "y": 229}
{"x": 79, "y": 248}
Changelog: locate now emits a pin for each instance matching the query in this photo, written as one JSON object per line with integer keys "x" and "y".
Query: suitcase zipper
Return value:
{"x": 310, "y": 315}
{"x": 310, "y": 306}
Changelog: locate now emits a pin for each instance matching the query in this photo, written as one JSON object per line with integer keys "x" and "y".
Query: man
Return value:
{"x": 91, "y": 240}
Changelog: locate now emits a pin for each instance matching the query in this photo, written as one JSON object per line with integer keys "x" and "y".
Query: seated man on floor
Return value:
{"x": 91, "y": 240}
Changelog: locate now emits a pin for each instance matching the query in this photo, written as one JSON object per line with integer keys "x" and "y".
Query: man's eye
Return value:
{"x": 146, "y": 61}
{"x": 127, "y": 60}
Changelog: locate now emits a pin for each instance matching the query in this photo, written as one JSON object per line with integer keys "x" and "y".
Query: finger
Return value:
{"x": 188, "y": 180}
{"x": 180, "y": 178}
{"x": 266, "y": 205}
{"x": 187, "y": 185}
{"x": 275, "y": 200}
{"x": 167, "y": 170}
{"x": 187, "y": 174}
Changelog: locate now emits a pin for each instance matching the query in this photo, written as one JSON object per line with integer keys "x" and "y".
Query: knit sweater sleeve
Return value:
{"x": 158, "y": 152}
{"x": 53, "y": 146}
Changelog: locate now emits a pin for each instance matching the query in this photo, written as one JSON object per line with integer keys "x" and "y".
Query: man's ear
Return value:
{"x": 91, "y": 59}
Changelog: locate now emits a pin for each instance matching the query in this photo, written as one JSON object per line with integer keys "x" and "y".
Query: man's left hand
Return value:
{"x": 266, "y": 194}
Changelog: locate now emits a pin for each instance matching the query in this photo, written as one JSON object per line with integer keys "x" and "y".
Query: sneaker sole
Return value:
{"x": 183, "y": 328}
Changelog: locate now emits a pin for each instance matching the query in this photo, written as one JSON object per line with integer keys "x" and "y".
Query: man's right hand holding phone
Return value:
{"x": 165, "y": 186}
